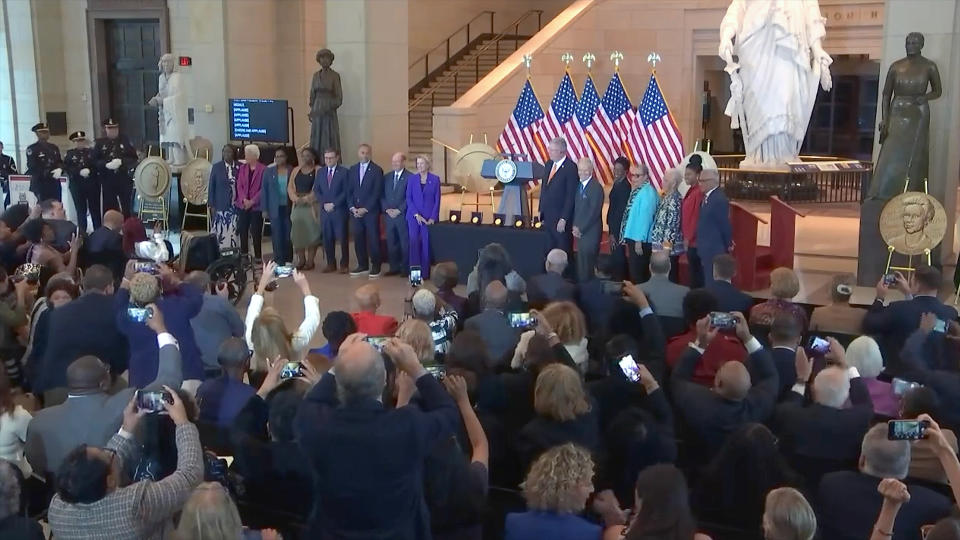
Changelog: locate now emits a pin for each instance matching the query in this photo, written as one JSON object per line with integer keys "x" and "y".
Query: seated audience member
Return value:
{"x": 556, "y": 490}
{"x": 516, "y": 290}
{"x": 13, "y": 525}
{"x": 784, "y": 285}
{"x": 417, "y": 334}
{"x": 368, "y": 322}
{"x": 442, "y": 321}
{"x": 732, "y": 489}
{"x": 44, "y": 252}
{"x": 179, "y": 302}
{"x": 15, "y": 300}
{"x": 839, "y": 316}
{"x": 60, "y": 291}
{"x": 216, "y": 322}
{"x": 564, "y": 414}
{"x": 864, "y": 354}
{"x": 90, "y": 503}
{"x": 714, "y": 413}
{"x": 55, "y": 215}
{"x": 924, "y": 463}
{"x": 221, "y": 398}
{"x": 337, "y": 325}
{"x": 662, "y": 508}
{"x": 267, "y": 335}
{"x": 133, "y": 232}
{"x": 849, "y": 500}
{"x": 14, "y": 420}
{"x": 785, "y": 336}
{"x": 492, "y": 325}
{"x": 86, "y": 326}
{"x": 209, "y": 513}
{"x": 493, "y": 264}
{"x": 824, "y": 435}
{"x": 90, "y": 416}
{"x": 946, "y": 382}
{"x": 348, "y": 436}
{"x": 568, "y": 322}
{"x": 445, "y": 277}
{"x": 698, "y": 304}
{"x": 551, "y": 286}
{"x": 729, "y": 298}
{"x": 788, "y": 516}
{"x": 600, "y": 307}
{"x": 107, "y": 238}
{"x": 665, "y": 295}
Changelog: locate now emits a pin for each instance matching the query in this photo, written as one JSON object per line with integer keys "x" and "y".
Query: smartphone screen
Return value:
{"x": 818, "y": 345}
{"x": 283, "y": 271}
{"x": 941, "y": 326}
{"x": 522, "y": 320}
{"x": 138, "y": 314}
{"x": 721, "y": 320}
{"x": 901, "y": 387}
{"x": 146, "y": 267}
{"x": 629, "y": 368}
{"x": 377, "y": 342}
{"x": 889, "y": 279}
{"x": 415, "y": 276}
{"x": 152, "y": 402}
{"x": 906, "y": 430}
{"x": 437, "y": 371}
{"x": 291, "y": 370}
{"x": 612, "y": 287}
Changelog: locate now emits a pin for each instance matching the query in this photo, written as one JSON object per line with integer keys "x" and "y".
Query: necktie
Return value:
{"x": 329, "y": 177}
{"x": 553, "y": 171}
{"x": 363, "y": 170}
{"x": 396, "y": 180}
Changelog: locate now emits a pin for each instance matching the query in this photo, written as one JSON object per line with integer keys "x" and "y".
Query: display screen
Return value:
{"x": 262, "y": 120}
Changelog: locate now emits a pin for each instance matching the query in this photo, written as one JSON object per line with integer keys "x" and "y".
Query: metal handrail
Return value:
{"x": 494, "y": 42}
{"x": 446, "y": 44}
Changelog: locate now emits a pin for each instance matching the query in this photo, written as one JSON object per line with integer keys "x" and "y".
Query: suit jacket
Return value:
{"x": 714, "y": 232}
{"x": 550, "y": 287}
{"x": 219, "y": 194}
{"x": 273, "y": 199}
{"x": 730, "y": 298}
{"x": 366, "y": 195}
{"x": 542, "y": 434}
{"x": 368, "y": 461}
{"x": 500, "y": 337}
{"x": 894, "y": 324}
{"x": 335, "y": 192}
{"x": 250, "y": 185}
{"x": 395, "y": 196}
{"x": 556, "y": 195}
{"x": 619, "y": 195}
{"x": 587, "y": 211}
{"x": 425, "y": 201}
{"x": 93, "y": 418}
{"x": 85, "y": 326}
{"x": 665, "y": 295}
{"x": 104, "y": 239}
{"x": 373, "y": 324}
{"x": 785, "y": 360}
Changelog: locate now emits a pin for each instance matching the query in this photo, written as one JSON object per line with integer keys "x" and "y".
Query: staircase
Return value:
{"x": 458, "y": 74}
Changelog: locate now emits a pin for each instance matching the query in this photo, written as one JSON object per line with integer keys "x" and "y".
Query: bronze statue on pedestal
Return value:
{"x": 326, "y": 96}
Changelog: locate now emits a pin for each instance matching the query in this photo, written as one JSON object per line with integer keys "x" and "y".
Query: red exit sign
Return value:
{"x": 186, "y": 61}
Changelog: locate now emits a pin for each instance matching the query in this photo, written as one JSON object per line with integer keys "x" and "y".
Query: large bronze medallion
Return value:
{"x": 913, "y": 223}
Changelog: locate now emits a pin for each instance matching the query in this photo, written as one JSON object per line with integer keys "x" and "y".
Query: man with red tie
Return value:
{"x": 557, "y": 191}
{"x": 331, "y": 189}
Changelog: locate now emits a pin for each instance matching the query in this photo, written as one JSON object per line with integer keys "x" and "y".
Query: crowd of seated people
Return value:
{"x": 660, "y": 421}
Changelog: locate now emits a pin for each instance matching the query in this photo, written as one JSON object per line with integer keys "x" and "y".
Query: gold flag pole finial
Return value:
{"x": 616, "y": 57}
{"x": 566, "y": 58}
{"x": 527, "y": 60}
{"x": 653, "y": 58}
{"x": 589, "y": 59}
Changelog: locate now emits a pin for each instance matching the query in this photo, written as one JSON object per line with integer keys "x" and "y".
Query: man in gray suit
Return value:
{"x": 551, "y": 286}
{"x": 91, "y": 416}
{"x": 587, "y": 224}
{"x": 492, "y": 324}
{"x": 665, "y": 296}
{"x": 394, "y": 204}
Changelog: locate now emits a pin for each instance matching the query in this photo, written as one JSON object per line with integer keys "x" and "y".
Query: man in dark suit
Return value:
{"x": 394, "y": 204}
{"x": 587, "y": 213}
{"x": 330, "y": 188}
{"x": 85, "y": 327}
{"x": 365, "y": 190}
{"x": 84, "y": 186}
{"x": 619, "y": 196}
{"x": 557, "y": 191}
{"x": 785, "y": 336}
{"x": 551, "y": 286}
{"x": 106, "y": 238}
{"x": 895, "y": 322}
{"x": 850, "y": 502}
{"x": 493, "y": 327}
{"x": 368, "y": 460}
{"x": 115, "y": 158}
{"x": 729, "y": 298}
{"x": 714, "y": 232}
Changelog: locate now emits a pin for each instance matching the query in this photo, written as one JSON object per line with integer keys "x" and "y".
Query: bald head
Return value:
{"x": 113, "y": 220}
{"x": 368, "y": 297}
{"x": 360, "y": 373}
{"x": 831, "y": 387}
{"x": 397, "y": 161}
{"x": 732, "y": 381}
{"x": 556, "y": 261}
{"x": 87, "y": 375}
{"x": 495, "y": 295}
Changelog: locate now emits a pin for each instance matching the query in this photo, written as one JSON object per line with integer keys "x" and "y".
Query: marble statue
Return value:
{"x": 326, "y": 96}
{"x": 171, "y": 100}
{"x": 773, "y": 81}
{"x": 905, "y": 122}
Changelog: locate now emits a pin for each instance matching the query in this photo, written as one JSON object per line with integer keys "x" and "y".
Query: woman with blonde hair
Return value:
{"x": 423, "y": 209}
{"x": 267, "y": 334}
{"x": 210, "y": 514}
{"x": 568, "y": 324}
{"x": 788, "y": 516}
{"x": 784, "y": 285}
{"x": 416, "y": 333}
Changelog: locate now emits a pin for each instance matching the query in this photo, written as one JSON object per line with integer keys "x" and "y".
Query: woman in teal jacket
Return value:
{"x": 638, "y": 221}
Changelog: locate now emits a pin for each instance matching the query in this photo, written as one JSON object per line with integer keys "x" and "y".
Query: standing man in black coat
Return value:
{"x": 44, "y": 165}
{"x": 557, "y": 191}
{"x": 394, "y": 206}
{"x": 363, "y": 202}
{"x": 619, "y": 195}
{"x": 7, "y": 167}
{"x": 115, "y": 158}
{"x": 84, "y": 185}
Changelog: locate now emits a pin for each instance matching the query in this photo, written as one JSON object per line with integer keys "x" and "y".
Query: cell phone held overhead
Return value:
{"x": 522, "y": 321}
{"x": 722, "y": 321}
{"x": 416, "y": 276}
{"x": 907, "y": 430}
{"x": 152, "y": 402}
{"x": 283, "y": 271}
{"x": 139, "y": 314}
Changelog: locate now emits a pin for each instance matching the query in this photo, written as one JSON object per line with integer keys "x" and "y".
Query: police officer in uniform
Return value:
{"x": 115, "y": 159}
{"x": 44, "y": 165}
{"x": 84, "y": 185}
{"x": 7, "y": 167}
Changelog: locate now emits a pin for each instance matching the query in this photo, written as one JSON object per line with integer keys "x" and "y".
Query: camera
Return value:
{"x": 291, "y": 370}
{"x": 139, "y": 314}
{"x": 906, "y": 430}
{"x": 416, "y": 277}
{"x": 522, "y": 320}
{"x": 152, "y": 402}
{"x": 722, "y": 321}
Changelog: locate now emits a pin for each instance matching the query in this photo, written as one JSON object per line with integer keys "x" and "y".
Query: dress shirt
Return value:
{"x": 363, "y": 170}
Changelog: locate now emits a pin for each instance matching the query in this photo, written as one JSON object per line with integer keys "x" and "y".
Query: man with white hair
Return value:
{"x": 714, "y": 231}
{"x": 850, "y": 501}
{"x": 441, "y": 319}
{"x": 587, "y": 213}
{"x": 665, "y": 295}
{"x": 551, "y": 286}
{"x": 367, "y": 459}
{"x": 824, "y": 436}
{"x": 557, "y": 189}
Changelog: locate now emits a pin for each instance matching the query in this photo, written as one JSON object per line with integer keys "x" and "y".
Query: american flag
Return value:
{"x": 661, "y": 145}
{"x": 560, "y": 121}
{"x": 618, "y": 116}
{"x": 520, "y": 134}
{"x": 587, "y": 110}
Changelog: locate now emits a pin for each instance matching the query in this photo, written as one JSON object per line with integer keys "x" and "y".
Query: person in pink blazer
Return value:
{"x": 247, "y": 201}
{"x": 423, "y": 209}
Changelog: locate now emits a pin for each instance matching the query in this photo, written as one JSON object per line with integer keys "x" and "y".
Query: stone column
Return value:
{"x": 19, "y": 98}
{"x": 939, "y": 21}
{"x": 369, "y": 39}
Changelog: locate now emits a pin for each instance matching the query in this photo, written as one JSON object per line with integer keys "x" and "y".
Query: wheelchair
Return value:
{"x": 228, "y": 266}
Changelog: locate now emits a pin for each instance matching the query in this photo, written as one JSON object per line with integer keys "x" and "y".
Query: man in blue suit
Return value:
{"x": 365, "y": 190}
{"x": 558, "y": 189}
{"x": 714, "y": 232}
{"x": 394, "y": 204}
{"x": 330, "y": 189}
{"x": 729, "y": 298}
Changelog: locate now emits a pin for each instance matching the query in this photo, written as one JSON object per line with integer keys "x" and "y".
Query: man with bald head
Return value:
{"x": 551, "y": 286}
{"x": 492, "y": 325}
{"x": 367, "y": 460}
{"x": 714, "y": 231}
{"x": 107, "y": 237}
{"x": 368, "y": 321}
{"x": 394, "y": 204}
{"x": 734, "y": 400}
{"x": 587, "y": 224}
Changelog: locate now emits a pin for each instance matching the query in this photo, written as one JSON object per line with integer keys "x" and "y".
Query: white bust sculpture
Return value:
{"x": 773, "y": 83}
{"x": 172, "y": 102}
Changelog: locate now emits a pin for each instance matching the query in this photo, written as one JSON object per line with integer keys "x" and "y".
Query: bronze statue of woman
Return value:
{"x": 905, "y": 122}
{"x": 326, "y": 96}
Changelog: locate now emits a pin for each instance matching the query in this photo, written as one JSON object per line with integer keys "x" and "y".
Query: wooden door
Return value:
{"x": 133, "y": 50}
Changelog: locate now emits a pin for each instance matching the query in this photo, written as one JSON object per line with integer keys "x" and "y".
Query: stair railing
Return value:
{"x": 468, "y": 33}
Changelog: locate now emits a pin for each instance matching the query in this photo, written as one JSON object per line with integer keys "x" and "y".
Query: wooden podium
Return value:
{"x": 754, "y": 263}
{"x": 783, "y": 229}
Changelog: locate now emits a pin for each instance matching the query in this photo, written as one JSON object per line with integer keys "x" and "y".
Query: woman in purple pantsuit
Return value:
{"x": 423, "y": 208}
